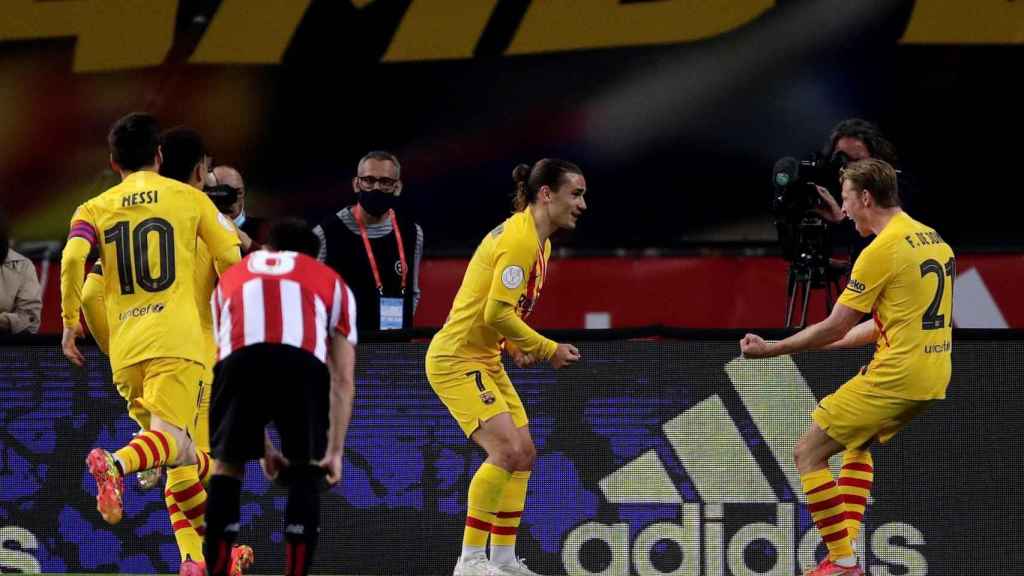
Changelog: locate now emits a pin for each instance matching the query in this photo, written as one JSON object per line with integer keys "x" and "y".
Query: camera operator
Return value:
{"x": 808, "y": 217}
{"x": 227, "y": 190}
{"x": 850, "y": 140}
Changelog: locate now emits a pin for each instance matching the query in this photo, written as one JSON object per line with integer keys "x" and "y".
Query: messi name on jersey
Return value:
{"x": 136, "y": 198}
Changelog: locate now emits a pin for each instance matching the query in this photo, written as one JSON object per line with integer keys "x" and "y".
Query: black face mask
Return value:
{"x": 377, "y": 203}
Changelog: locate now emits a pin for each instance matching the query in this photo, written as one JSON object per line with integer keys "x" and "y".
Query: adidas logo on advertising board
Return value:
{"x": 727, "y": 478}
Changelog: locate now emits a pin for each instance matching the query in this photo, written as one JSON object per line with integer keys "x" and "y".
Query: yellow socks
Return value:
{"x": 204, "y": 466}
{"x": 150, "y": 449}
{"x": 828, "y": 511}
{"x": 185, "y": 498}
{"x": 485, "y": 491}
{"x": 855, "y": 480}
{"x": 506, "y": 521}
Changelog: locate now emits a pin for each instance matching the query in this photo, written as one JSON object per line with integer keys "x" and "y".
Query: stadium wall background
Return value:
{"x": 662, "y": 455}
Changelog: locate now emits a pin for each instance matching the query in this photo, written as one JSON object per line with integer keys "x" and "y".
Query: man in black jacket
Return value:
{"x": 375, "y": 247}
{"x": 225, "y": 179}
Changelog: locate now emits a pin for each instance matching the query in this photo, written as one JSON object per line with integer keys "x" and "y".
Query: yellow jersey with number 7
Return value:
{"x": 904, "y": 279}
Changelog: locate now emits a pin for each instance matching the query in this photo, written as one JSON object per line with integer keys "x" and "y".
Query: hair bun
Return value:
{"x": 521, "y": 173}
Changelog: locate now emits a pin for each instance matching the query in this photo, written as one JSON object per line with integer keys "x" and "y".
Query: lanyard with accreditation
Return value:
{"x": 390, "y": 308}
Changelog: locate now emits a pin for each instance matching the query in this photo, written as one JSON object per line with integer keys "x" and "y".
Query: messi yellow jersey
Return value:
{"x": 95, "y": 311}
{"x": 147, "y": 229}
{"x": 509, "y": 266}
{"x": 206, "y": 280}
{"x": 904, "y": 278}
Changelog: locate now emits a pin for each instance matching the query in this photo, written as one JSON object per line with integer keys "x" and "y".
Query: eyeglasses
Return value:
{"x": 384, "y": 183}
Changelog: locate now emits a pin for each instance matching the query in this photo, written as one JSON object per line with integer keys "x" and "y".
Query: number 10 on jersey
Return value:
{"x": 132, "y": 254}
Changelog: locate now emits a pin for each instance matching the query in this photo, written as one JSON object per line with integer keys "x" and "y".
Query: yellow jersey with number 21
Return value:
{"x": 904, "y": 279}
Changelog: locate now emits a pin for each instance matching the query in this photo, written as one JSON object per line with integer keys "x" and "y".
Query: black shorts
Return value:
{"x": 265, "y": 383}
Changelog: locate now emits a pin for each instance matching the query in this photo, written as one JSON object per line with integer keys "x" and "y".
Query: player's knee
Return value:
{"x": 521, "y": 456}
{"x": 506, "y": 455}
{"x": 528, "y": 454}
{"x": 806, "y": 458}
{"x": 800, "y": 456}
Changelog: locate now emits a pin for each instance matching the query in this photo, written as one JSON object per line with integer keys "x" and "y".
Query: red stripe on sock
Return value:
{"x": 163, "y": 441}
{"x": 856, "y": 482}
{"x": 825, "y": 504}
{"x": 188, "y": 492}
{"x": 834, "y": 519}
{"x": 300, "y": 559}
{"x": 204, "y": 465}
{"x": 142, "y": 455}
{"x": 839, "y": 535}
{"x": 173, "y": 509}
{"x": 509, "y": 514}
{"x": 152, "y": 446}
{"x": 824, "y": 486}
{"x": 478, "y": 524}
{"x": 181, "y": 525}
{"x": 854, "y": 499}
{"x": 504, "y": 530}
{"x": 854, "y": 516}
{"x": 858, "y": 466}
{"x": 196, "y": 512}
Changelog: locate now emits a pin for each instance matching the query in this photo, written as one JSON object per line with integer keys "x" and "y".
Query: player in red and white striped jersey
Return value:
{"x": 282, "y": 298}
{"x": 286, "y": 332}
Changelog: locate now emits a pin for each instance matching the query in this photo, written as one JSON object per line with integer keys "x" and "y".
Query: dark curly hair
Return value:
{"x": 877, "y": 144}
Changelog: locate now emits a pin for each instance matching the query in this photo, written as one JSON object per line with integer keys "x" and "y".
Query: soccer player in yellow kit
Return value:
{"x": 147, "y": 229}
{"x": 185, "y": 160}
{"x": 904, "y": 279}
{"x": 500, "y": 288}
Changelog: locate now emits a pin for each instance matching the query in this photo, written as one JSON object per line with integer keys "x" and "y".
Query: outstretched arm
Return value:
{"x": 828, "y": 331}
{"x": 860, "y": 335}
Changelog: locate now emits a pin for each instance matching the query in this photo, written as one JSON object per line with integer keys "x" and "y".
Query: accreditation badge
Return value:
{"x": 390, "y": 313}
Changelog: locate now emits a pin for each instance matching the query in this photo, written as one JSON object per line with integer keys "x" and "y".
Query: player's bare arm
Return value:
{"x": 840, "y": 322}
{"x": 860, "y": 335}
{"x": 341, "y": 362}
{"x": 273, "y": 461}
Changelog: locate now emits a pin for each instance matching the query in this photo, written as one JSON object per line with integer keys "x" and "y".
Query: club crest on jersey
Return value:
{"x": 398, "y": 267}
{"x": 512, "y": 277}
{"x": 525, "y": 306}
{"x": 487, "y": 397}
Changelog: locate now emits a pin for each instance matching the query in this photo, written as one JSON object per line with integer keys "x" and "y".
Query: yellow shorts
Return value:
{"x": 856, "y": 414}
{"x": 169, "y": 388}
{"x": 200, "y": 431}
{"x": 475, "y": 392}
